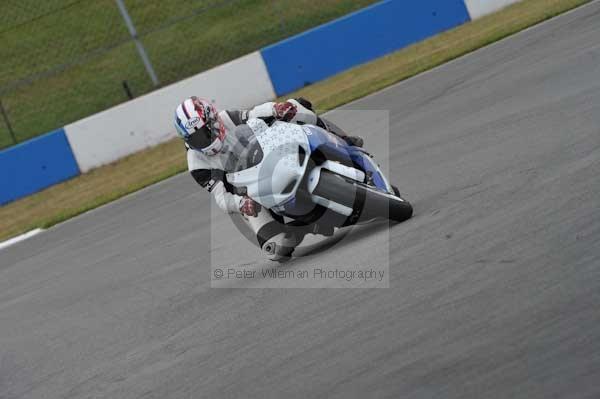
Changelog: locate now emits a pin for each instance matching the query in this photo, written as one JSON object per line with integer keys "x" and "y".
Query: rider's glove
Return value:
{"x": 284, "y": 111}
{"x": 249, "y": 207}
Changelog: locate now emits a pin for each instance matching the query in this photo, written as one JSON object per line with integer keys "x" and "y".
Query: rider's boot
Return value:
{"x": 355, "y": 141}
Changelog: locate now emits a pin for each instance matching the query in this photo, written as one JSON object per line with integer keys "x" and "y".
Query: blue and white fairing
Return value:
{"x": 276, "y": 178}
{"x": 287, "y": 148}
{"x": 326, "y": 142}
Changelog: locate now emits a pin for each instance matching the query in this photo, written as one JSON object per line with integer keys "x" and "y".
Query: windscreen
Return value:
{"x": 246, "y": 150}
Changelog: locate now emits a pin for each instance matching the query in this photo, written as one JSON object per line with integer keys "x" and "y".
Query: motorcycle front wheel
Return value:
{"x": 366, "y": 202}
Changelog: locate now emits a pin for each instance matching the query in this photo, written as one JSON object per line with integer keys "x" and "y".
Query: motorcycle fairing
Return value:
{"x": 321, "y": 140}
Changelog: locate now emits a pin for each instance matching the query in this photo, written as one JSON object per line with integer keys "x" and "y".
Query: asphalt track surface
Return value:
{"x": 494, "y": 284}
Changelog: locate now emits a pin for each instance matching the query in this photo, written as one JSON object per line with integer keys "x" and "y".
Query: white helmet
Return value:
{"x": 198, "y": 123}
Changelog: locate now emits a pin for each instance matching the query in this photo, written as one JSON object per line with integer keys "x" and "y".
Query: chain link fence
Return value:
{"x": 62, "y": 60}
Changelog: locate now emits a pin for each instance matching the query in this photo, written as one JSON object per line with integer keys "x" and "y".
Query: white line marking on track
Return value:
{"x": 17, "y": 239}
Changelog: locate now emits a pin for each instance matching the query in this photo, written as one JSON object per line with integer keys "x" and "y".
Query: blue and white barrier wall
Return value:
{"x": 479, "y": 8}
{"x": 35, "y": 164}
{"x": 358, "y": 38}
{"x": 148, "y": 120}
{"x": 261, "y": 76}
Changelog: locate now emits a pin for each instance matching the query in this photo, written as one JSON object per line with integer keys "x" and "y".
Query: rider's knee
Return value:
{"x": 281, "y": 246}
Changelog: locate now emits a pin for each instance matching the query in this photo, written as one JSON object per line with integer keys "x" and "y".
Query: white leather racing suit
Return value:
{"x": 210, "y": 173}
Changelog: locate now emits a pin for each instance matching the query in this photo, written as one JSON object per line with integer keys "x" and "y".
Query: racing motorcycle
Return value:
{"x": 310, "y": 178}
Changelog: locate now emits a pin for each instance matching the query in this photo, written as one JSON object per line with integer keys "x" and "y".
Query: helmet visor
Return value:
{"x": 201, "y": 138}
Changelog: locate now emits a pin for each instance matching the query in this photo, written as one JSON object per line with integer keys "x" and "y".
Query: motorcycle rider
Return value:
{"x": 209, "y": 141}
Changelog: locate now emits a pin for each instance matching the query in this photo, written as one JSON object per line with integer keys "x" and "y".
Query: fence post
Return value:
{"x": 138, "y": 44}
{"x": 7, "y": 122}
{"x": 278, "y": 9}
